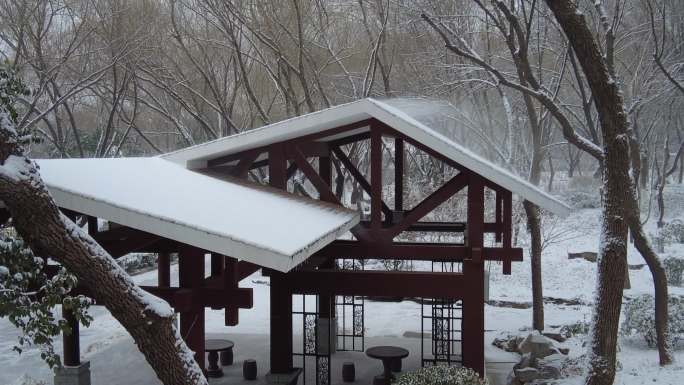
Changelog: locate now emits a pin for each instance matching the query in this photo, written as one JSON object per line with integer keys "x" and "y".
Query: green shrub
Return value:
{"x": 674, "y": 267}
{"x": 441, "y": 375}
{"x": 640, "y": 318}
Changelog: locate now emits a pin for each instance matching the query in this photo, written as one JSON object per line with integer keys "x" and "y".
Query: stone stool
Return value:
{"x": 227, "y": 357}
{"x": 249, "y": 369}
{"x": 348, "y": 372}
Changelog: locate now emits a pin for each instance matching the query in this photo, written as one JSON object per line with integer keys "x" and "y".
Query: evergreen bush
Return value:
{"x": 441, "y": 375}
{"x": 674, "y": 267}
{"x": 640, "y": 318}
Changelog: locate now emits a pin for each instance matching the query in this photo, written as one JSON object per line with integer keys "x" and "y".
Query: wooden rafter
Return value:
{"x": 442, "y": 252}
{"x": 441, "y": 195}
{"x": 360, "y": 179}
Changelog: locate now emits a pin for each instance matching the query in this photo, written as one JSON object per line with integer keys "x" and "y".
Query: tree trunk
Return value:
{"x": 618, "y": 190}
{"x": 659, "y": 282}
{"x": 37, "y": 219}
{"x": 534, "y": 227}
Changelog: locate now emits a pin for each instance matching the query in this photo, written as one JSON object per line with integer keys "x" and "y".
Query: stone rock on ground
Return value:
{"x": 540, "y": 361}
{"x": 586, "y": 255}
{"x": 527, "y": 374}
{"x": 509, "y": 343}
{"x": 538, "y": 345}
{"x": 558, "y": 337}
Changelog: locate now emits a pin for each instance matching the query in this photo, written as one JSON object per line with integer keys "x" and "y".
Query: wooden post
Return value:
{"x": 473, "y": 270}
{"x": 326, "y": 302}
{"x": 70, "y": 341}
{"x": 507, "y": 226}
{"x": 376, "y": 177}
{"x": 191, "y": 275}
{"x": 281, "y": 297}
{"x": 398, "y": 174}
{"x": 164, "y": 269}
{"x": 230, "y": 280}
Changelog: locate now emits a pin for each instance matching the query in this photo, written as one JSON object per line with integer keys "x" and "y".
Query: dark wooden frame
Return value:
{"x": 375, "y": 238}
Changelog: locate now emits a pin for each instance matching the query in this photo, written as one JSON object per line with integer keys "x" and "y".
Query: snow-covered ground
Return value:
{"x": 563, "y": 278}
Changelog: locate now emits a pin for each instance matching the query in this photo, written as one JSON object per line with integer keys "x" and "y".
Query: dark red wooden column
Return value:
{"x": 164, "y": 269}
{"x": 326, "y": 303}
{"x": 376, "y": 177}
{"x": 281, "y": 297}
{"x": 398, "y": 174}
{"x": 70, "y": 341}
{"x": 473, "y": 270}
{"x": 191, "y": 275}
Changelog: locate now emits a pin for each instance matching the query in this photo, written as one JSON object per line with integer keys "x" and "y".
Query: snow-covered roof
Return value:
{"x": 197, "y": 156}
{"x": 253, "y": 223}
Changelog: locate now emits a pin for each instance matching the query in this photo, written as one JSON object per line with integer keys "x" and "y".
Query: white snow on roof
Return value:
{"x": 258, "y": 224}
{"x": 197, "y": 156}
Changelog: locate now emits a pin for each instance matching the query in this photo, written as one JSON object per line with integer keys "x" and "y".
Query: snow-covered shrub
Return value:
{"x": 583, "y": 200}
{"x": 441, "y": 375}
{"x": 640, "y": 318}
{"x": 580, "y": 327}
{"x": 674, "y": 267}
{"x": 673, "y": 231}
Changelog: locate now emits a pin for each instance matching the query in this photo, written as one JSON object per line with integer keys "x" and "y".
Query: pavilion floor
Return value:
{"x": 121, "y": 363}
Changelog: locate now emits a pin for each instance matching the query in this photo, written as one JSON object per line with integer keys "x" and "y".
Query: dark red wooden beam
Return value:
{"x": 164, "y": 269}
{"x": 190, "y": 277}
{"x": 473, "y": 270}
{"x": 187, "y": 299}
{"x": 442, "y": 194}
{"x": 398, "y": 174}
{"x": 245, "y": 164}
{"x": 443, "y": 252}
{"x": 358, "y": 176}
{"x": 376, "y": 178}
{"x": 350, "y": 139}
{"x": 315, "y": 151}
{"x": 322, "y": 187}
{"x": 120, "y": 241}
{"x": 507, "y": 203}
{"x": 377, "y": 283}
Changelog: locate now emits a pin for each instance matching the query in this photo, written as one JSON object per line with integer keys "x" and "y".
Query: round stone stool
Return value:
{"x": 227, "y": 357}
{"x": 249, "y": 369}
{"x": 348, "y": 372}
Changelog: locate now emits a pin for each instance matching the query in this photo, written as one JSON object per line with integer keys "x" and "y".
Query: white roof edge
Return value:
{"x": 194, "y": 236}
{"x": 197, "y": 155}
{"x": 192, "y": 156}
{"x": 399, "y": 120}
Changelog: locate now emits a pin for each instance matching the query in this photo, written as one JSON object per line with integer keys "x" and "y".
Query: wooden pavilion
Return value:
{"x": 200, "y": 200}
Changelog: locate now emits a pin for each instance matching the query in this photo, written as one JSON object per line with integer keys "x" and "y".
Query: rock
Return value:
{"x": 564, "y": 351}
{"x": 550, "y": 371}
{"x": 527, "y": 374}
{"x": 509, "y": 343}
{"x": 554, "y": 359}
{"x": 513, "y": 380}
{"x": 526, "y": 361}
{"x": 538, "y": 345}
{"x": 555, "y": 336}
{"x": 586, "y": 255}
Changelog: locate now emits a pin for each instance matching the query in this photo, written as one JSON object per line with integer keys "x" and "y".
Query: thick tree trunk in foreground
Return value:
{"x": 148, "y": 319}
{"x": 618, "y": 191}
